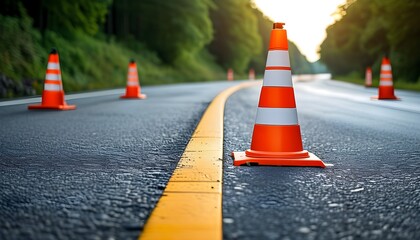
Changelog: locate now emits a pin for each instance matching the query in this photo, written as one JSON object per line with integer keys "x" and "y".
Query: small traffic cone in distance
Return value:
{"x": 251, "y": 74}
{"x": 230, "y": 74}
{"x": 53, "y": 93}
{"x": 133, "y": 89}
{"x": 368, "y": 77}
{"x": 276, "y": 139}
{"x": 386, "y": 85}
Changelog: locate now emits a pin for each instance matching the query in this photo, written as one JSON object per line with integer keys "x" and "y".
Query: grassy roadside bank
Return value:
{"x": 172, "y": 41}
{"x": 87, "y": 62}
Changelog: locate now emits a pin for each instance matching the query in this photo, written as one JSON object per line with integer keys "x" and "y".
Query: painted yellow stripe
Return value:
{"x": 191, "y": 205}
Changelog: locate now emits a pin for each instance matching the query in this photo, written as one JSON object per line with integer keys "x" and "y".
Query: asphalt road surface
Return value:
{"x": 97, "y": 172}
{"x": 371, "y": 192}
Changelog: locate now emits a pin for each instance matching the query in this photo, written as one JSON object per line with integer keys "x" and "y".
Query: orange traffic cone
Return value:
{"x": 133, "y": 89}
{"x": 368, "y": 77}
{"x": 230, "y": 74}
{"x": 251, "y": 74}
{"x": 276, "y": 139}
{"x": 386, "y": 86}
{"x": 53, "y": 94}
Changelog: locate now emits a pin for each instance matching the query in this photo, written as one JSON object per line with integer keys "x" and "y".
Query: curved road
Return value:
{"x": 97, "y": 172}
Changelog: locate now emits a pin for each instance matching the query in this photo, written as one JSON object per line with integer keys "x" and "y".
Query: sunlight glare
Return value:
{"x": 306, "y": 21}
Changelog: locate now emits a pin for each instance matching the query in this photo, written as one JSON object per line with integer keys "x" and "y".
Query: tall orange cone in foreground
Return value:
{"x": 368, "y": 77}
{"x": 230, "y": 74}
{"x": 386, "y": 86}
{"x": 133, "y": 89}
{"x": 276, "y": 139}
{"x": 53, "y": 94}
{"x": 251, "y": 74}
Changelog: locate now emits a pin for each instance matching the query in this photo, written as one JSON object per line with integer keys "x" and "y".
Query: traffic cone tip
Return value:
{"x": 278, "y": 25}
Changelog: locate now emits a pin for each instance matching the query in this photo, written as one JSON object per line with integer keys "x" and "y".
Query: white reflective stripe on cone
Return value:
{"x": 132, "y": 77}
{"x": 132, "y": 84}
{"x": 53, "y": 66}
{"x": 52, "y": 77}
{"x": 386, "y": 75}
{"x": 385, "y": 83}
{"x": 52, "y": 87}
{"x": 386, "y": 67}
{"x": 276, "y": 116}
{"x": 278, "y": 58}
{"x": 278, "y": 78}
{"x": 132, "y": 70}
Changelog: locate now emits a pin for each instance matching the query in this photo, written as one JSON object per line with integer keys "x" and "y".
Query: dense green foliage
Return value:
{"x": 370, "y": 29}
{"x": 18, "y": 48}
{"x": 172, "y": 28}
{"x": 172, "y": 41}
{"x": 236, "y": 37}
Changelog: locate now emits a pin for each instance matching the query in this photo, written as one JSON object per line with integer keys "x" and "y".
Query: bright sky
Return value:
{"x": 306, "y": 20}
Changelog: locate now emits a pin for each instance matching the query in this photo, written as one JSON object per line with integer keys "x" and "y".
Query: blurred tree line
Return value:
{"x": 368, "y": 30}
{"x": 177, "y": 40}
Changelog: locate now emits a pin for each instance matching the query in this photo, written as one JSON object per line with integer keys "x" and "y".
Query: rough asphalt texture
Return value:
{"x": 371, "y": 192}
{"x": 96, "y": 172}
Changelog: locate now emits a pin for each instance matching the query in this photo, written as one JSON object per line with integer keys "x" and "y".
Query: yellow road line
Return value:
{"x": 191, "y": 205}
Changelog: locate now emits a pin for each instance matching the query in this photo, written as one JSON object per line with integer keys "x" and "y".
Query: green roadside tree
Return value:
{"x": 236, "y": 34}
